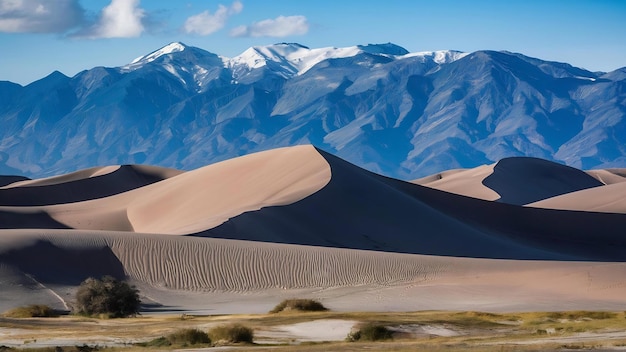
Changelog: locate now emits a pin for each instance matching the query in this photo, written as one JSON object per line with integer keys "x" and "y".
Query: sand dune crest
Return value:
{"x": 466, "y": 182}
{"x": 207, "y": 197}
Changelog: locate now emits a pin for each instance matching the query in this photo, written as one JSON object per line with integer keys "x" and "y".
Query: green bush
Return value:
{"x": 302, "y": 305}
{"x": 186, "y": 337}
{"x": 370, "y": 332}
{"x": 108, "y": 296}
{"x": 32, "y": 311}
{"x": 232, "y": 333}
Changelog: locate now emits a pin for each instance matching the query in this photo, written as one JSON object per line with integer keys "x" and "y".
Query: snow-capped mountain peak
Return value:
{"x": 296, "y": 59}
{"x": 168, "y": 49}
{"x": 439, "y": 56}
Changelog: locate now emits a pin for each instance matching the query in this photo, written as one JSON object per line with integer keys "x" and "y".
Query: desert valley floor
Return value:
{"x": 238, "y": 236}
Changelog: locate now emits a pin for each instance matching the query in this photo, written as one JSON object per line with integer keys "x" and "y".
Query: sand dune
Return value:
{"x": 288, "y": 196}
{"x": 391, "y": 215}
{"x": 299, "y": 221}
{"x": 74, "y": 176}
{"x": 7, "y": 180}
{"x": 552, "y": 183}
{"x": 522, "y": 181}
{"x": 609, "y": 176}
{"x": 466, "y": 182}
{"x": 222, "y": 270}
{"x": 609, "y": 199}
{"x": 207, "y": 197}
{"x": 185, "y": 203}
{"x": 83, "y": 185}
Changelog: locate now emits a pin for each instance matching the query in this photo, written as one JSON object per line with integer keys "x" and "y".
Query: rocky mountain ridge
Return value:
{"x": 393, "y": 112}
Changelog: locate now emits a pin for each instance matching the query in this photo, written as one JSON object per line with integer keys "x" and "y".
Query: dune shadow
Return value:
{"x": 524, "y": 180}
{"x": 124, "y": 179}
{"x": 52, "y": 264}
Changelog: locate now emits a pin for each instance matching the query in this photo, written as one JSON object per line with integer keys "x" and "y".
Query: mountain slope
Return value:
{"x": 402, "y": 114}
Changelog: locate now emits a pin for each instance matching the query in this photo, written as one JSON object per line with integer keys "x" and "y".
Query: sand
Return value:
{"x": 609, "y": 176}
{"x": 214, "y": 276}
{"x": 241, "y": 235}
{"x": 609, "y": 199}
{"x": 183, "y": 203}
{"x": 534, "y": 180}
{"x": 311, "y": 331}
{"x": 465, "y": 182}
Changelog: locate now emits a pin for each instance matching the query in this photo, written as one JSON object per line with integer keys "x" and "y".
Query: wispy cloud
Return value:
{"x": 281, "y": 26}
{"x": 206, "y": 23}
{"x": 39, "y": 16}
{"x": 120, "y": 19}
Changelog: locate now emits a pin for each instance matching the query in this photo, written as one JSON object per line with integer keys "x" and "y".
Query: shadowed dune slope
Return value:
{"x": 523, "y": 180}
{"x": 59, "y": 263}
{"x": 83, "y": 185}
{"x": 362, "y": 210}
{"x": 28, "y": 219}
{"x": 7, "y": 180}
{"x": 65, "y": 178}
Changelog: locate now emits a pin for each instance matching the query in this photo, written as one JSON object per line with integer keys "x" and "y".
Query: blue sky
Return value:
{"x": 40, "y": 36}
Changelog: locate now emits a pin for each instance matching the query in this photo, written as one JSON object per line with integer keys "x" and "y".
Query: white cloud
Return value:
{"x": 206, "y": 23}
{"x": 39, "y": 16}
{"x": 281, "y": 26}
{"x": 120, "y": 19}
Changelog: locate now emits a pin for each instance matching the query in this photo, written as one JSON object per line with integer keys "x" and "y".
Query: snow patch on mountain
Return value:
{"x": 168, "y": 49}
{"x": 295, "y": 59}
{"x": 292, "y": 59}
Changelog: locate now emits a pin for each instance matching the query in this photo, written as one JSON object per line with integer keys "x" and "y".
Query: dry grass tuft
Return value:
{"x": 32, "y": 311}
{"x": 301, "y": 305}
{"x": 232, "y": 333}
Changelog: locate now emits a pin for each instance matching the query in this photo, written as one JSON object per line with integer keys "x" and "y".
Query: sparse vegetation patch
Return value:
{"x": 32, "y": 311}
{"x": 232, "y": 333}
{"x": 188, "y": 337}
{"x": 370, "y": 332}
{"x": 579, "y": 315}
{"x": 302, "y": 305}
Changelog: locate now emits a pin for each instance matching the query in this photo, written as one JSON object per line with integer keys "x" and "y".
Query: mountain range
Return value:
{"x": 396, "y": 113}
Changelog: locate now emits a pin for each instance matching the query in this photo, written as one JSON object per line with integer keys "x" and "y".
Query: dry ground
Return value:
{"x": 433, "y": 331}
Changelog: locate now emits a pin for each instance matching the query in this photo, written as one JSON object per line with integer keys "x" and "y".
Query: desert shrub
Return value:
{"x": 232, "y": 333}
{"x": 158, "y": 342}
{"x": 107, "y": 296}
{"x": 303, "y": 305}
{"x": 186, "y": 337}
{"x": 370, "y": 332}
{"x": 32, "y": 311}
